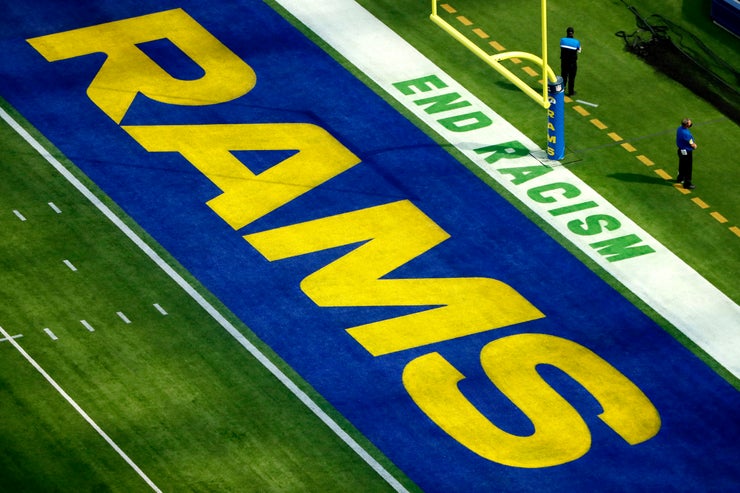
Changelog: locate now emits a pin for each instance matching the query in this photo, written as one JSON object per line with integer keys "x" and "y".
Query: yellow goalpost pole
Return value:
{"x": 494, "y": 60}
{"x": 545, "y": 66}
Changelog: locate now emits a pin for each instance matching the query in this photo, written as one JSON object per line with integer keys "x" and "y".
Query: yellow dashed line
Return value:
{"x": 516, "y": 60}
{"x": 496, "y": 46}
{"x": 449, "y": 8}
{"x": 598, "y": 124}
{"x": 645, "y": 160}
{"x": 719, "y": 217}
{"x": 662, "y": 174}
{"x": 614, "y": 136}
{"x": 568, "y": 99}
{"x": 628, "y": 147}
{"x": 679, "y": 187}
{"x": 700, "y": 203}
{"x": 531, "y": 71}
{"x": 464, "y": 20}
{"x": 735, "y": 230}
{"x": 481, "y": 33}
{"x": 581, "y": 110}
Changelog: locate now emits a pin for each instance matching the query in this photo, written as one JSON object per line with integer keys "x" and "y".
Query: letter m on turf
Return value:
{"x": 388, "y": 236}
{"x": 622, "y": 248}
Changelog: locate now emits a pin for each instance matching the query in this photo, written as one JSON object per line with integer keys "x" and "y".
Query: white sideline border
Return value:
{"x": 208, "y": 307}
{"x": 79, "y": 410}
{"x": 705, "y": 315}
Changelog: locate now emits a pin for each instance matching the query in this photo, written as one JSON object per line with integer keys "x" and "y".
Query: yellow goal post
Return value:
{"x": 495, "y": 60}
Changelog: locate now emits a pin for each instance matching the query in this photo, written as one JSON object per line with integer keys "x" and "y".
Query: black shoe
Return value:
{"x": 679, "y": 179}
{"x": 689, "y": 186}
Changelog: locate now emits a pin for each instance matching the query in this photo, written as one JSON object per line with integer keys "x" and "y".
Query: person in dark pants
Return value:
{"x": 570, "y": 47}
{"x": 686, "y": 145}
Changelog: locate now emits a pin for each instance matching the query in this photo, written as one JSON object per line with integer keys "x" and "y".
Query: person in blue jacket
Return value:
{"x": 686, "y": 145}
{"x": 570, "y": 47}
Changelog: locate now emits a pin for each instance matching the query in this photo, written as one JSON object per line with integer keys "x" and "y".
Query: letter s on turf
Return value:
{"x": 560, "y": 435}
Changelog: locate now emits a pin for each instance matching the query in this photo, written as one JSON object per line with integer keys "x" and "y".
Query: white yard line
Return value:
{"x": 704, "y": 314}
{"x": 160, "y": 309}
{"x": 208, "y": 307}
{"x": 17, "y": 336}
{"x": 80, "y": 411}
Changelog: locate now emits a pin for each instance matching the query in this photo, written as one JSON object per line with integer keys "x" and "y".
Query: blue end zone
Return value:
{"x": 696, "y": 448}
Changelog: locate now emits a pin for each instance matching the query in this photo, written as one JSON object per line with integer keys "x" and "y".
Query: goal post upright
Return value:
{"x": 545, "y": 66}
{"x": 552, "y": 94}
{"x": 495, "y": 60}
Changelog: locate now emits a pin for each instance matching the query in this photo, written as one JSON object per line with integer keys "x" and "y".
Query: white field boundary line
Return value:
{"x": 704, "y": 314}
{"x": 79, "y": 410}
{"x": 208, "y": 307}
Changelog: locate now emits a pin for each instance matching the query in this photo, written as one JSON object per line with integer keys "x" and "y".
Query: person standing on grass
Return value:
{"x": 686, "y": 145}
{"x": 570, "y": 47}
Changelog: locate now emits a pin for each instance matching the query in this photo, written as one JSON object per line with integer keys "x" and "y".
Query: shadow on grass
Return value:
{"x": 509, "y": 86}
{"x": 638, "y": 178}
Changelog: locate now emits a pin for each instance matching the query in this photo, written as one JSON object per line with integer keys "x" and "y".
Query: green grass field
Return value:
{"x": 189, "y": 404}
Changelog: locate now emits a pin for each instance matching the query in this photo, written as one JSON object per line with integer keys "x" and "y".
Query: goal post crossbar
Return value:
{"x": 494, "y": 61}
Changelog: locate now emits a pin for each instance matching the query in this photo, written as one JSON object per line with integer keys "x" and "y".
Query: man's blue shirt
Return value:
{"x": 570, "y": 44}
{"x": 684, "y": 139}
